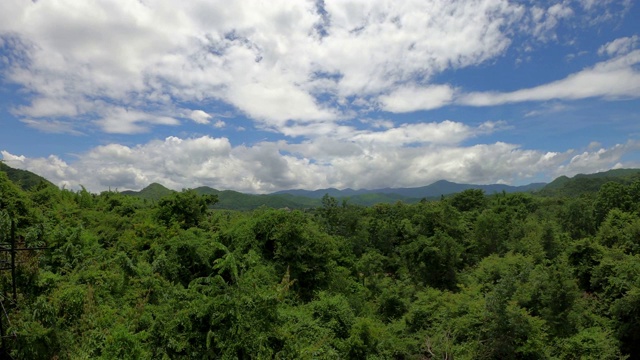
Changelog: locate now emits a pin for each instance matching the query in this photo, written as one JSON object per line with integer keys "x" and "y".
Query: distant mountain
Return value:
{"x": 437, "y": 189}
{"x": 229, "y": 199}
{"x": 154, "y": 192}
{"x": 377, "y": 198}
{"x": 302, "y": 199}
{"x": 318, "y": 194}
{"x": 588, "y": 183}
{"x": 23, "y": 178}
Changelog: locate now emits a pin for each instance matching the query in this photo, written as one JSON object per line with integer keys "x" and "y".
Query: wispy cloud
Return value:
{"x": 612, "y": 79}
{"x": 620, "y": 46}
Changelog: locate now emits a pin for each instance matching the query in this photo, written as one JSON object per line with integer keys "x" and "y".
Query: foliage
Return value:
{"x": 470, "y": 276}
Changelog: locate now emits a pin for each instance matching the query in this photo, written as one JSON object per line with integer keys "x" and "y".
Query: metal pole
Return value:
{"x": 2, "y": 351}
{"x": 13, "y": 260}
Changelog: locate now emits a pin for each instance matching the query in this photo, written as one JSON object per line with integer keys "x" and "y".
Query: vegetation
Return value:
{"x": 583, "y": 184}
{"x": 470, "y": 276}
{"x": 25, "y": 179}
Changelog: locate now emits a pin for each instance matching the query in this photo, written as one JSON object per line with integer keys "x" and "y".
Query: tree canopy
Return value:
{"x": 471, "y": 276}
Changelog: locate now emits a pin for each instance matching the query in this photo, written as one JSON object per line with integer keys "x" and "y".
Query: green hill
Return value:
{"x": 153, "y": 192}
{"x": 435, "y": 190}
{"x": 23, "y": 178}
{"x": 302, "y": 199}
{"x": 377, "y": 198}
{"x": 588, "y": 183}
{"x": 233, "y": 200}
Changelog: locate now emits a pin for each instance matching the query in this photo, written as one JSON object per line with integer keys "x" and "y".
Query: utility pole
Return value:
{"x": 6, "y": 265}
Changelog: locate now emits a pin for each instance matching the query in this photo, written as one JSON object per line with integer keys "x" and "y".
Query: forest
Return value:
{"x": 466, "y": 276}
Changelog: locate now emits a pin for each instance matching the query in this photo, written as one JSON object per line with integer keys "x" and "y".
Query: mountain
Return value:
{"x": 437, "y": 189}
{"x": 154, "y": 192}
{"x": 588, "y": 183}
{"x": 233, "y": 200}
{"x": 318, "y": 194}
{"x": 23, "y": 178}
{"x": 303, "y": 199}
{"x": 377, "y": 198}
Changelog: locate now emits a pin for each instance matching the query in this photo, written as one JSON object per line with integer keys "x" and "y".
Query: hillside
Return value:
{"x": 304, "y": 199}
{"x": 154, "y": 192}
{"x": 435, "y": 190}
{"x": 23, "y": 178}
{"x": 470, "y": 276}
{"x": 233, "y": 200}
{"x": 588, "y": 183}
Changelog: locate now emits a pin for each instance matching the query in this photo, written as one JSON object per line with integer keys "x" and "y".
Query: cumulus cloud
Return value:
{"x": 446, "y": 132}
{"x": 199, "y": 116}
{"x": 318, "y": 163}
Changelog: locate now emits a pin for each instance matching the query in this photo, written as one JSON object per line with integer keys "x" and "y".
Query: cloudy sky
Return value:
{"x": 260, "y": 96}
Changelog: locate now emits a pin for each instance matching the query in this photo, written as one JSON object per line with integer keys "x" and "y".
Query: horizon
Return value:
{"x": 264, "y": 97}
{"x": 285, "y": 191}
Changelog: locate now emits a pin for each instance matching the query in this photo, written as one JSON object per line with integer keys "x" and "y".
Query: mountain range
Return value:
{"x": 300, "y": 198}
{"x": 437, "y": 189}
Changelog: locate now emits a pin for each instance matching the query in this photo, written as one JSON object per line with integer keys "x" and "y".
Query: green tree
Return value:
{"x": 467, "y": 200}
{"x": 186, "y": 209}
{"x": 611, "y": 196}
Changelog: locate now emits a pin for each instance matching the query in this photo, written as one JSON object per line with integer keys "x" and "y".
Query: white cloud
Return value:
{"x": 303, "y": 68}
{"x": 620, "y": 46}
{"x": 597, "y": 158}
{"x": 604, "y": 10}
{"x": 199, "y": 116}
{"x": 128, "y": 121}
{"x": 615, "y": 78}
{"x": 278, "y": 62}
{"x": 48, "y": 107}
{"x": 52, "y": 126}
{"x": 446, "y": 132}
{"x": 408, "y": 99}
{"x": 594, "y": 145}
{"x": 548, "y": 108}
{"x": 545, "y": 21}
{"x": 318, "y": 163}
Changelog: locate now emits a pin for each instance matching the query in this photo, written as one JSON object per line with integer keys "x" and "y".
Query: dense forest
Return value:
{"x": 468, "y": 276}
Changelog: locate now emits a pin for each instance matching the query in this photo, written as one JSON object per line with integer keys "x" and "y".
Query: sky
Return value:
{"x": 260, "y": 96}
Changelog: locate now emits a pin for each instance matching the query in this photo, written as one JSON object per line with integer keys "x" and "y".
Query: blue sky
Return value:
{"x": 263, "y": 96}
